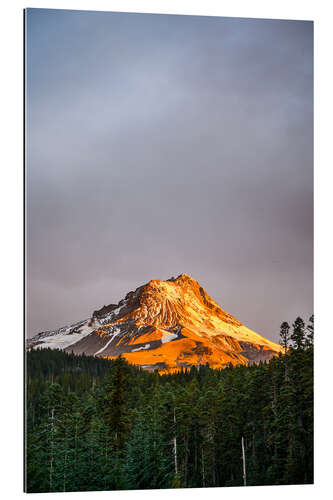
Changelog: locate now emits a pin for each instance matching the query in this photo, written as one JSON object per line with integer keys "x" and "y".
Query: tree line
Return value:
{"x": 94, "y": 424}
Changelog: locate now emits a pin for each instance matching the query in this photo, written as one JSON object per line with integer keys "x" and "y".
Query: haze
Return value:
{"x": 160, "y": 145}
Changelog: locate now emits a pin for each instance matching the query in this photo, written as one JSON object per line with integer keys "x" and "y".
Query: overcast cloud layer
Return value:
{"x": 161, "y": 144}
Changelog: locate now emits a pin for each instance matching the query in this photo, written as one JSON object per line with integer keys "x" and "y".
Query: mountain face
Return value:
{"x": 163, "y": 325}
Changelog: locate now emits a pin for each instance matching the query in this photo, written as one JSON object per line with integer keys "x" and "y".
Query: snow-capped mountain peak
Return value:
{"x": 163, "y": 325}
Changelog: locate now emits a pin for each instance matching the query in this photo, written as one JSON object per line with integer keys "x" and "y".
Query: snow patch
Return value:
{"x": 168, "y": 337}
{"x": 117, "y": 331}
{"x": 65, "y": 336}
{"x": 61, "y": 341}
{"x": 142, "y": 348}
{"x": 108, "y": 318}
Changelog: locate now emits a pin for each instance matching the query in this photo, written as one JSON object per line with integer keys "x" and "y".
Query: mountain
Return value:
{"x": 163, "y": 325}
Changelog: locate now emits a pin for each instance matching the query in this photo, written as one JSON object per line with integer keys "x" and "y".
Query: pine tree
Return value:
{"x": 310, "y": 330}
{"x": 284, "y": 336}
{"x": 284, "y": 341}
{"x": 117, "y": 421}
{"x": 298, "y": 335}
{"x": 95, "y": 424}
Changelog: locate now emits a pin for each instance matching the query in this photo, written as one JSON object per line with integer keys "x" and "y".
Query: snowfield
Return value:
{"x": 142, "y": 348}
{"x": 168, "y": 337}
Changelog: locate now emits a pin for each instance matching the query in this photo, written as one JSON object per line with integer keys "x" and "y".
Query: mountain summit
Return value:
{"x": 163, "y": 325}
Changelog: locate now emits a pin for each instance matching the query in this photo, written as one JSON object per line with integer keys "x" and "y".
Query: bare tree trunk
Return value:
{"x": 75, "y": 450}
{"x": 244, "y": 464}
{"x": 175, "y": 443}
{"x": 51, "y": 459}
{"x": 203, "y": 468}
{"x": 64, "y": 488}
{"x": 186, "y": 457}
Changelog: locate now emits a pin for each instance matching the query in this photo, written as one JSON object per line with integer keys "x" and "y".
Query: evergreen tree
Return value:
{"x": 284, "y": 336}
{"x": 95, "y": 424}
{"x": 310, "y": 330}
{"x": 284, "y": 341}
{"x": 115, "y": 409}
{"x": 298, "y": 335}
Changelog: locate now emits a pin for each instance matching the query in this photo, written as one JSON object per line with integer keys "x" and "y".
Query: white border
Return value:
{"x": 11, "y": 210}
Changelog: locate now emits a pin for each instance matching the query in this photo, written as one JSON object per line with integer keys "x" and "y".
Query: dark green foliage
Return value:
{"x": 298, "y": 335}
{"x": 310, "y": 329}
{"x": 95, "y": 424}
{"x": 284, "y": 335}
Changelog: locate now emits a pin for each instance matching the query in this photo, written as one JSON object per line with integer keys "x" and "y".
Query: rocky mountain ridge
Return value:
{"x": 163, "y": 325}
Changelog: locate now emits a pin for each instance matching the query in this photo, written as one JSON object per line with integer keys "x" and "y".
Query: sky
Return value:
{"x": 158, "y": 145}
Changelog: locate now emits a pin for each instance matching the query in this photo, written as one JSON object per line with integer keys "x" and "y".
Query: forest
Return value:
{"x": 96, "y": 424}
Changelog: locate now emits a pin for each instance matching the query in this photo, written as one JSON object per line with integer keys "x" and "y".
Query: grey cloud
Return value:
{"x": 167, "y": 144}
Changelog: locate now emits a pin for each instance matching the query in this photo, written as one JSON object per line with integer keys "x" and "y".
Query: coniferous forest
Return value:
{"x": 95, "y": 424}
